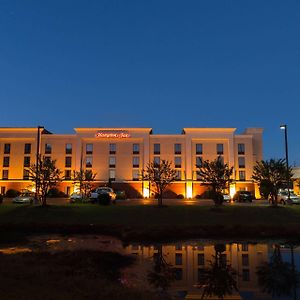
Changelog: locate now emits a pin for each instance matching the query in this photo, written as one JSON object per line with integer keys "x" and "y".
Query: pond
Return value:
{"x": 253, "y": 270}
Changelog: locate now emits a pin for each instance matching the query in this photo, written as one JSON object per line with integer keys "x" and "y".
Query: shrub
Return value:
{"x": 11, "y": 193}
{"x": 179, "y": 196}
{"x": 104, "y": 199}
{"x": 56, "y": 193}
{"x": 120, "y": 195}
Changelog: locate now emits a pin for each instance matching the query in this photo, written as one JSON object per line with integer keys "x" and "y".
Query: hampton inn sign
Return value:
{"x": 112, "y": 134}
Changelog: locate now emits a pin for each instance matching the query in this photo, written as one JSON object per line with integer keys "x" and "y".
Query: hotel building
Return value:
{"x": 119, "y": 155}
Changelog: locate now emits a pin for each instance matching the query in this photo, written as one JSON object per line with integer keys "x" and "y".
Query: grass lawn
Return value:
{"x": 153, "y": 222}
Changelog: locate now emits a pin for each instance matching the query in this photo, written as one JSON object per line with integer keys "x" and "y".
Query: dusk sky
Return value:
{"x": 160, "y": 64}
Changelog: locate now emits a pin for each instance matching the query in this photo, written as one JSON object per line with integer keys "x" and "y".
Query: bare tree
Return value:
{"x": 160, "y": 175}
{"x": 85, "y": 179}
{"x": 45, "y": 175}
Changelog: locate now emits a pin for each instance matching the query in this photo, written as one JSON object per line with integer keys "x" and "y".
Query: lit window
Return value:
{"x": 135, "y": 175}
{"x": 199, "y": 149}
{"x": 177, "y": 162}
{"x": 220, "y": 149}
{"x": 68, "y": 162}
{"x": 67, "y": 174}
{"x": 27, "y": 149}
{"x": 48, "y": 148}
{"x": 89, "y": 149}
{"x": 177, "y": 148}
{"x": 135, "y": 162}
{"x": 6, "y": 161}
{"x": 156, "y": 160}
{"x": 241, "y": 148}
{"x": 68, "y": 148}
{"x": 25, "y": 174}
{"x": 136, "y": 148}
{"x": 156, "y": 148}
{"x": 112, "y": 148}
{"x": 112, "y": 174}
{"x": 4, "y": 174}
{"x": 6, "y": 148}
{"x": 88, "y": 162}
{"x": 242, "y": 162}
{"x": 242, "y": 175}
{"x": 112, "y": 161}
{"x": 27, "y": 161}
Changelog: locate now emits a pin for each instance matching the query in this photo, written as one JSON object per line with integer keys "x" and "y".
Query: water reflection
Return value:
{"x": 249, "y": 271}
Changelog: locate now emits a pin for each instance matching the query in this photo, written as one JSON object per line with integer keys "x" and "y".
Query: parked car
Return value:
{"x": 226, "y": 198}
{"x": 76, "y": 197}
{"x": 120, "y": 195}
{"x": 25, "y": 197}
{"x": 243, "y": 196}
{"x": 283, "y": 198}
{"x": 103, "y": 190}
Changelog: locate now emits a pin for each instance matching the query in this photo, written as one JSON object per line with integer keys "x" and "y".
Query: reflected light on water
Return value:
{"x": 14, "y": 250}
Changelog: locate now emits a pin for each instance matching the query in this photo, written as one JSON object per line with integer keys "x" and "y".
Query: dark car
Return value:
{"x": 243, "y": 196}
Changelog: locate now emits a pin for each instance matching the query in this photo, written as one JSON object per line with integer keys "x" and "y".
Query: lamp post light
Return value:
{"x": 284, "y": 127}
{"x": 37, "y": 161}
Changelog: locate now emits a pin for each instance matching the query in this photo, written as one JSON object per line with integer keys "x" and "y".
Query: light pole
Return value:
{"x": 37, "y": 162}
{"x": 284, "y": 127}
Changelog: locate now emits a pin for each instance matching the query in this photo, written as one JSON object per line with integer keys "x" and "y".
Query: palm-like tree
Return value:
{"x": 271, "y": 175}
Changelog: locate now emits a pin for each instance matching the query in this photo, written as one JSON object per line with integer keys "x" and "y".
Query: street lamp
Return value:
{"x": 38, "y": 140}
{"x": 284, "y": 127}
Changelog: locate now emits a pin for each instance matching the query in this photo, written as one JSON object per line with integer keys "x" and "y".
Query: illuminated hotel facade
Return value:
{"x": 119, "y": 155}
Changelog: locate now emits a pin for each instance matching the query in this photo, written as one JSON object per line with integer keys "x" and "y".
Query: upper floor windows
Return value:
{"x": 89, "y": 148}
{"x": 6, "y": 161}
{"x": 4, "y": 174}
{"x": 112, "y": 148}
{"x": 177, "y": 148}
{"x": 68, "y": 162}
{"x": 156, "y": 160}
{"x": 68, "y": 149}
{"x": 112, "y": 161}
{"x": 48, "y": 148}
{"x": 6, "y": 148}
{"x": 135, "y": 162}
{"x": 241, "y": 162}
{"x": 27, "y": 161}
{"x": 241, "y": 148}
{"x": 220, "y": 149}
{"x": 177, "y": 162}
{"x": 136, "y": 148}
{"x": 27, "y": 149}
{"x": 156, "y": 149}
{"x": 88, "y": 162}
{"x": 199, "y": 149}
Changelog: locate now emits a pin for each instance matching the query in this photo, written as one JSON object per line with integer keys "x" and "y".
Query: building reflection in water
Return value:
{"x": 192, "y": 260}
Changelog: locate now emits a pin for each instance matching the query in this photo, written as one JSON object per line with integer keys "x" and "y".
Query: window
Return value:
{"x": 201, "y": 259}
{"x": 198, "y": 161}
{"x": 156, "y": 148}
{"x": 244, "y": 247}
{"x": 246, "y": 275}
{"x": 245, "y": 259}
{"x": 136, "y": 148}
{"x": 221, "y": 159}
{"x": 178, "y": 259}
{"x": 88, "y": 162}
{"x": 68, "y": 162}
{"x": 6, "y": 148}
{"x": 199, "y": 149}
{"x": 135, "y": 175}
{"x": 201, "y": 274}
{"x": 220, "y": 149}
{"x": 4, "y": 174}
{"x": 156, "y": 160}
{"x": 27, "y": 161}
{"x": 89, "y": 148}
{"x": 241, "y": 148}
{"x": 67, "y": 174}
{"x": 48, "y": 148}
{"x": 241, "y": 162}
{"x": 178, "y": 247}
{"x": 25, "y": 174}
{"x": 135, "y": 162}
{"x": 177, "y": 162}
{"x": 68, "y": 148}
{"x": 112, "y": 148}
{"x": 242, "y": 175}
{"x": 177, "y": 148}
{"x": 112, "y": 175}
{"x": 2, "y": 190}
{"x": 178, "y": 273}
{"x": 112, "y": 161}
{"x": 27, "y": 149}
{"x": 47, "y": 158}
{"x": 6, "y": 161}
{"x": 178, "y": 175}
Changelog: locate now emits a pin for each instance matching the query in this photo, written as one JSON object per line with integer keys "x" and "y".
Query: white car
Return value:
{"x": 76, "y": 197}
{"x": 226, "y": 198}
{"x": 24, "y": 198}
{"x": 283, "y": 198}
{"x": 103, "y": 190}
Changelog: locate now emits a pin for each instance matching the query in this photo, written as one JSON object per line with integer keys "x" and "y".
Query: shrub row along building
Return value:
{"x": 119, "y": 155}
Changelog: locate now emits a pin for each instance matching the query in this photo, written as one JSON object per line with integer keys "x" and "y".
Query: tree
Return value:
{"x": 160, "y": 175}
{"x": 85, "y": 179}
{"x": 217, "y": 175}
{"x": 45, "y": 175}
{"x": 273, "y": 175}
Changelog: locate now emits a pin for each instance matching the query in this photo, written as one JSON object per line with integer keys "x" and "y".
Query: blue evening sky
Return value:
{"x": 160, "y": 64}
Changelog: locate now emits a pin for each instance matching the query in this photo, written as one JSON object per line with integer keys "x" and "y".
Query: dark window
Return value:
{"x": 135, "y": 175}
{"x": 244, "y": 247}
{"x": 178, "y": 273}
{"x": 241, "y": 148}
{"x": 178, "y": 247}
{"x": 6, "y": 161}
{"x": 135, "y": 162}
{"x": 178, "y": 175}
{"x": 112, "y": 148}
{"x": 156, "y": 148}
{"x": 25, "y": 174}
{"x": 67, "y": 174}
{"x": 68, "y": 162}
{"x": 68, "y": 148}
{"x": 47, "y": 158}
{"x": 245, "y": 259}
{"x": 48, "y": 148}
{"x": 156, "y": 160}
{"x": 27, "y": 149}
{"x": 242, "y": 175}
{"x": 136, "y": 148}
{"x": 112, "y": 161}
{"x": 178, "y": 259}
{"x": 112, "y": 175}
{"x": 177, "y": 162}
{"x": 201, "y": 275}
{"x": 246, "y": 275}
{"x": 201, "y": 259}
{"x": 88, "y": 162}
{"x": 4, "y": 174}
{"x": 198, "y": 161}
{"x": 6, "y": 148}
{"x": 27, "y": 161}
{"x": 223, "y": 259}
{"x": 221, "y": 159}
{"x": 199, "y": 149}
{"x": 241, "y": 162}
{"x": 220, "y": 149}
{"x": 177, "y": 148}
{"x": 89, "y": 148}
